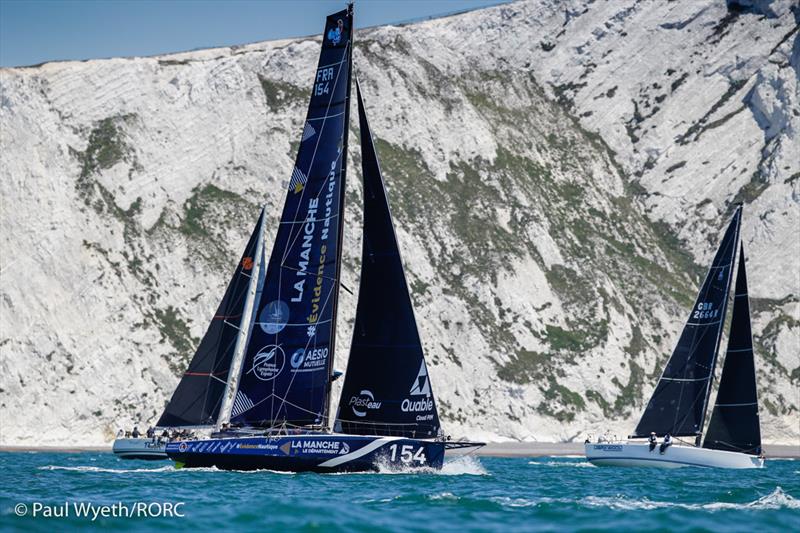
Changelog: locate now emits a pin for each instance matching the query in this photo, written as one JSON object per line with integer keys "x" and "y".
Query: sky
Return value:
{"x": 37, "y": 31}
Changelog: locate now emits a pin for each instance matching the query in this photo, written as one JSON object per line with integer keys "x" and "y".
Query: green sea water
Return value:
{"x": 469, "y": 494}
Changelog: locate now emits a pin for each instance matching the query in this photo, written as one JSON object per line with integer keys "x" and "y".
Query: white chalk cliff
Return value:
{"x": 560, "y": 174}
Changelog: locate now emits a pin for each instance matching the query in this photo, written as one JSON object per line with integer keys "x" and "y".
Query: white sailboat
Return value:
{"x": 679, "y": 402}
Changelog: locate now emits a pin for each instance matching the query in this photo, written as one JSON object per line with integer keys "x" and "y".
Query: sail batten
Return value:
{"x": 387, "y": 389}
{"x": 285, "y": 372}
{"x": 678, "y": 404}
{"x": 734, "y": 424}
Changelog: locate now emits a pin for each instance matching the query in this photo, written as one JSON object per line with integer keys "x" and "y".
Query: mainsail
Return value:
{"x": 678, "y": 403}
{"x": 197, "y": 400}
{"x": 387, "y": 390}
{"x": 285, "y": 376}
{"x": 734, "y": 424}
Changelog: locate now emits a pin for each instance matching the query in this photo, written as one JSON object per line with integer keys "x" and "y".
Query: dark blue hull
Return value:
{"x": 309, "y": 453}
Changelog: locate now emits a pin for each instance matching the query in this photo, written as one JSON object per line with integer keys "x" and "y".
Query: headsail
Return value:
{"x": 678, "y": 403}
{"x": 734, "y": 424}
{"x": 285, "y": 375}
{"x": 197, "y": 400}
{"x": 387, "y": 390}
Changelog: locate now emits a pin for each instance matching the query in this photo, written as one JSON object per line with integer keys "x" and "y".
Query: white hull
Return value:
{"x": 139, "y": 449}
{"x": 639, "y": 454}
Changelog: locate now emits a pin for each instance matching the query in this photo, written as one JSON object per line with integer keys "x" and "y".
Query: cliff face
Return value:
{"x": 560, "y": 174}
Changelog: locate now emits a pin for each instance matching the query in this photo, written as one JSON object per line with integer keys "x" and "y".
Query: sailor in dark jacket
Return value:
{"x": 666, "y": 444}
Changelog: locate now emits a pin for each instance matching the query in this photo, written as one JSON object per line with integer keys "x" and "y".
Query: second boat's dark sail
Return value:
{"x": 285, "y": 372}
{"x": 678, "y": 403}
{"x": 734, "y": 424}
{"x": 387, "y": 390}
{"x": 198, "y": 398}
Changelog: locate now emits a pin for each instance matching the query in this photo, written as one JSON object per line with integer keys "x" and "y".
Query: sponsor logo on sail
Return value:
{"x": 268, "y": 362}
{"x": 247, "y": 263}
{"x": 420, "y": 387}
{"x": 274, "y": 317}
{"x": 309, "y": 360}
{"x": 363, "y": 402}
{"x": 336, "y": 33}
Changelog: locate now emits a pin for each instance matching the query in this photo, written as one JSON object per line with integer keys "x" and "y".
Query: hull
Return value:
{"x": 639, "y": 454}
{"x": 139, "y": 449}
{"x": 309, "y": 453}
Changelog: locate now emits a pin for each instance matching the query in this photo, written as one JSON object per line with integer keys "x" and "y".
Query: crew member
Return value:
{"x": 666, "y": 444}
{"x": 653, "y": 440}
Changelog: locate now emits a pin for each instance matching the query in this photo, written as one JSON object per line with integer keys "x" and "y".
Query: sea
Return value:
{"x": 65, "y": 491}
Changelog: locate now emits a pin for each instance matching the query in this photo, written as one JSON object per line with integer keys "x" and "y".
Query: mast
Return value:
{"x": 244, "y": 330}
{"x": 678, "y": 403}
{"x": 337, "y": 278}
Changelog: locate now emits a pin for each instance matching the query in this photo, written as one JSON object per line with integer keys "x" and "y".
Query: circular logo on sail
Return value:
{"x": 297, "y": 358}
{"x": 364, "y": 401}
{"x": 268, "y": 362}
{"x": 274, "y": 317}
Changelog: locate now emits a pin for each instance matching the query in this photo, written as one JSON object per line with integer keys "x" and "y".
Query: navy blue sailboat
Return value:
{"x": 279, "y": 407}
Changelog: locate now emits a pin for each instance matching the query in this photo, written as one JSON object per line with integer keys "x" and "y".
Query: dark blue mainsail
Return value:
{"x": 198, "y": 398}
{"x": 678, "y": 404}
{"x": 734, "y": 424}
{"x": 387, "y": 390}
{"x": 285, "y": 375}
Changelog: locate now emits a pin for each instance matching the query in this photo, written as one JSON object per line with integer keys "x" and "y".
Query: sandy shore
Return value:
{"x": 492, "y": 449}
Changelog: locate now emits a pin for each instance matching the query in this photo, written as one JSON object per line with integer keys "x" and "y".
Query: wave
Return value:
{"x": 777, "y": 499}
{"x": 581, "y": 464}
{"x": 444, "y": 496}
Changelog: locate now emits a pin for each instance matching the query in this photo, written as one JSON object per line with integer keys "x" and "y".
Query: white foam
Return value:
{"x": 463, "y": 465}
{"x": 444, "y": 496}
{"x": 106, "y": 470}
{"x": 581, "y": 464}
{"x": 777, "y": 499}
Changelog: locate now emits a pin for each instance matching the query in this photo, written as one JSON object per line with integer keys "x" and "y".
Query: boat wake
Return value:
{"x": 460, "y": 466}
{"x": 107, "y": 470}
{"x": 777, "y": 499}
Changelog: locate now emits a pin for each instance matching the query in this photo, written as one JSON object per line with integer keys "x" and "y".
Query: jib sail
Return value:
{"x": 678, "y": 403}
{"x": 734, "y": 424}
{"x": 197, "y": 400}
{"x": 387, "y": 390}
{"x": 285, "y": 375}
